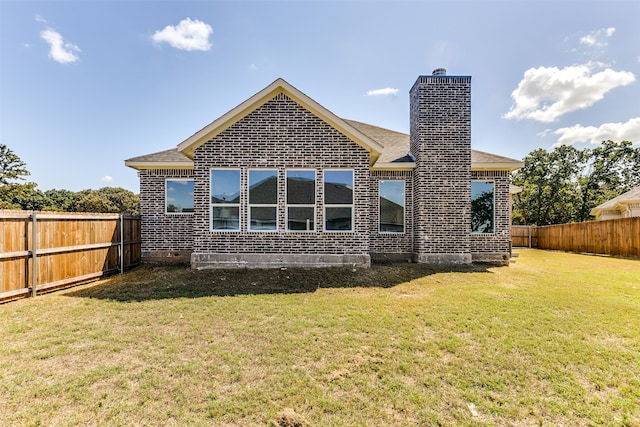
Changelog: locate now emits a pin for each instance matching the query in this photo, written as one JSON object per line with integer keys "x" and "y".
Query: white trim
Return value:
{"x": 326, "y": 205}
{"x": 493, "y": 233}
{"x": 287, "y": 205}
{"x": 404, "y": 208}
{"x": 258, "y": 205}
{"x": 223, "y": 205}
{"x": 188, "y": 146}
{"x": 166, "y": 197}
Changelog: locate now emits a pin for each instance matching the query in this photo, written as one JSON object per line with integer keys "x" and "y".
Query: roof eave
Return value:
{"x": 394, "y": 166}
{"x": 510, "y": 166}
{"x": 158, "y": 165}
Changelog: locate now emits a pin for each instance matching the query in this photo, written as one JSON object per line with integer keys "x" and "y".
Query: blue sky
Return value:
{"x": 85, "y": 85}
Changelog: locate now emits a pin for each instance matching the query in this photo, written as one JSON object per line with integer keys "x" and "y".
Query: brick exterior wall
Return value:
{"x": 165, "y": 237}
{"x": 391, "y": 246}
{"x": 281, "y": 135}
{"x": 440, "y": 140}
{"x": 495, "y": 247}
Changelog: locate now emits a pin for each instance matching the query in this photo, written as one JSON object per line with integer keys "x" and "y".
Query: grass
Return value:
{"x": 554, "y": 339}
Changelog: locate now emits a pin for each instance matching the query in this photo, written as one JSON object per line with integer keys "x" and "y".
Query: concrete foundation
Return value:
{"x": 201, "y": 261}
{"x": 496, "y": 258}
{"x": 443, "y": 259}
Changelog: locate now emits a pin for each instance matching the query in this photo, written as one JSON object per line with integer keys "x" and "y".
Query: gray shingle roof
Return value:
{"x": 631, "y": 196}
{"x": 396, "y": 150}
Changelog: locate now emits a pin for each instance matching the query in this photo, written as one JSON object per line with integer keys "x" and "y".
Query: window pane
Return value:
{"x": 226, "y": 218}
{"x": 338, "y": 187}
{"x": 301, "y": 187}
{"x": 263, "y": 187}
{"x": 392, "y": 206}
{"x": 300, "y": 219}
{"x": 225, "y": 186}
{"x": 263, "y": 218}
{"x": 179, "y": 195}
{"x": 482, "y": 207}
{"x": 338, "y": 219}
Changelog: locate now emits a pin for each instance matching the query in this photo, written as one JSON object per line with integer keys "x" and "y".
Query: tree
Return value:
{"x": 26, "y": 196}
{"x": 564, "y": 185}
{"x": 61, "y": 200}
{"x": 12, "y": 168}
{"x": 613, "y": 169}
{"x": 108, "y": 200}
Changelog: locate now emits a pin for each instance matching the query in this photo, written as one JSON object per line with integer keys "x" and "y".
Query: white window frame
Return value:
{"x": 404, "y": 206}
{"x": 223, "y": 205}
{"x": 493, "y": 218}
{"x": 296, "y": 205}
{"x": 329, "y": 206}
{"x": 260, "y": 205}
{"x": 166, "y": 196}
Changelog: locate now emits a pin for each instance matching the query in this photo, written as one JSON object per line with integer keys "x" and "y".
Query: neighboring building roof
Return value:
{"x": 389, "y": 149}
{"x": 617, "y": 203}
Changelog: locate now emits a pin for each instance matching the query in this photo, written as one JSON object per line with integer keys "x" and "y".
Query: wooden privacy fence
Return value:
{"x": 620, "y": 237}
{"x": 524, "y": 236}
{"x": 42, "y": 251}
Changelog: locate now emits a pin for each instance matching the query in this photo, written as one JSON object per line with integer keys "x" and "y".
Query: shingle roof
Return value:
{"x": 160, "y": 159}
{"x": 396, "y": 149}
{"x": 395, "y": 152}
{"x": 631, "y": 196}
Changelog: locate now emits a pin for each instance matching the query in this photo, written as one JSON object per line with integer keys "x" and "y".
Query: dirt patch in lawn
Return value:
{"x": 154, "y": 281}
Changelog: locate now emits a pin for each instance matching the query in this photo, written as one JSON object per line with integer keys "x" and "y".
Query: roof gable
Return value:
{"x": 631, "y": 196}
{"x": 280, "y": 86}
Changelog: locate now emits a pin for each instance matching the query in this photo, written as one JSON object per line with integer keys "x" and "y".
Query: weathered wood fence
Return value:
{"x": 43, "y": 251}
{"x": 620, "y": 237}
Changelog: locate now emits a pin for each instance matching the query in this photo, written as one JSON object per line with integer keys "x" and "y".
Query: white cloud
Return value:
{"x": 187, "y": 35}
{"x": 59, "y": 50}
{"x": 383, "y": 92}
{"x": 628, "y": 131}
{"x": 598, "y": 38}
{"x": 253, "y": 67}
{"x": 546, "y": 93}
{"x": 106, "y": 178}
{"x": 41, "y": 19}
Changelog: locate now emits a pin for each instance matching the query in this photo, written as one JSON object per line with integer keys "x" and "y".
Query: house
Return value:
{"x": 281, "y": 181}
{"x": 625, "y": 205}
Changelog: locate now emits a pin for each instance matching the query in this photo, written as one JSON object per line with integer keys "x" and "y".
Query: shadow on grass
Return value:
{"x": 156, "y": 282}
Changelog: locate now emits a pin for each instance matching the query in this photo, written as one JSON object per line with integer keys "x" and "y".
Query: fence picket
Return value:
{"x": 619, "y": 237}
{"x": 70, "y": 248}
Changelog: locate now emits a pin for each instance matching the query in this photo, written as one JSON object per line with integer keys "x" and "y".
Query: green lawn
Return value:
{"x": 553, "y": 339}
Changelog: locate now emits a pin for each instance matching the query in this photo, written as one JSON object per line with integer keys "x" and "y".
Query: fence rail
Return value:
{"x": 620, "y": 237}
{"x": 42, "y": 251}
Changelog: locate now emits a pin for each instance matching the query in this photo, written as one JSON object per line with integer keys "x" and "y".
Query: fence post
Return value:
{"x": 121, "y": 243}
{"x": 34, "y": 257}
{"x": 530, "y": 229}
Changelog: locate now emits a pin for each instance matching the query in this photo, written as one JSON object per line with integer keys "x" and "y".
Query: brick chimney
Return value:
{"x": 440, "y": 130}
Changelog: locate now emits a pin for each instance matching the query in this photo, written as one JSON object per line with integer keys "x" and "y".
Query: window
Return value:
{"x": 338, "y": 200}
{"x": 301, "y": 200}
{"x": 225, "y": 199}
{"x": 482, "y": 207}
{"x": 391, "y": 206}
{"x": 178, "y": 196}
{"x": 263, "y": 200}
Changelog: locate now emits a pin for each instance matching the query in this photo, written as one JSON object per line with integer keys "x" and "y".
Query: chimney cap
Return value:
{"x": 439, "y": 72}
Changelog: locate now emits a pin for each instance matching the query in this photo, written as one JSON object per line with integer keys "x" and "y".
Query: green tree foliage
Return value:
{"x": 563, "y": 185}
{"x": 108, "y": 199}
{"x": 26, "y": 196}
{"x": 12, "y": 168}
{"x": 62, "y": 200}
